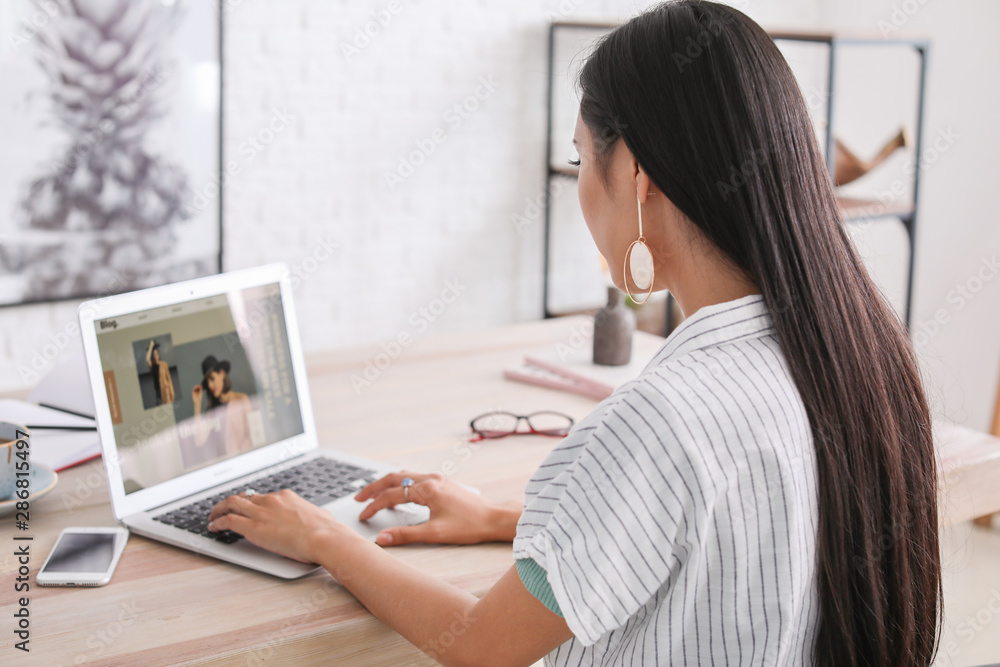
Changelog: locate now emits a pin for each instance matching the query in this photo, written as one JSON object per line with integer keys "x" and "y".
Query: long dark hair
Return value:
{"x": 227, "y": 385}
{"x": 710, "y": 110}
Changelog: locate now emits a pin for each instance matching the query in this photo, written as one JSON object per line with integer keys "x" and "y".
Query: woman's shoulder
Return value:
{"x": 654, "y": 402}
{"x": 731, "y": 385}
{"x": 684, "y": 413}
{"x": 623, "y": 435}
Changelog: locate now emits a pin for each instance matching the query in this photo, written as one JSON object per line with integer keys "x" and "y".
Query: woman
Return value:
{"x": 162, "y": 382}
{"x": 236, "y": 407}
{"x": 764, "y": 492}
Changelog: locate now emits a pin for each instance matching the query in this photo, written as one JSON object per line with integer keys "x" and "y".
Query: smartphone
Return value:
{"x": 83, "y": 557}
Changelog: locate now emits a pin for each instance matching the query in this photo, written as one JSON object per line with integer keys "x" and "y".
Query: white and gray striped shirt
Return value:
{"x": 676, "y": 524}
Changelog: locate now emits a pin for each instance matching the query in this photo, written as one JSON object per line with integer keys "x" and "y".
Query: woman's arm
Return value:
{"x": 166, "y": 384}
{"x": 149, "y": 354}
{"x": 507, "y": 626}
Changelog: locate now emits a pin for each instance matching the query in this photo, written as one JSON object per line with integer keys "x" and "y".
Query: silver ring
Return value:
{"x": 407, "y": 483}
{"x": 249, "y": 492}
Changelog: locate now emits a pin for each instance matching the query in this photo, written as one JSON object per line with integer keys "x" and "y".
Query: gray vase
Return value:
{"x": 613, "y": 328}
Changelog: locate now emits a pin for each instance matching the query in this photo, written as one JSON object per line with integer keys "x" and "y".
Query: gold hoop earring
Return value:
{"x": 639, "y": 263}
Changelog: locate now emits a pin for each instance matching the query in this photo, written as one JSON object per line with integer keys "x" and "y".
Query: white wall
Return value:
{"x": 959, "y": 223}
{"x": 356, "y": 115}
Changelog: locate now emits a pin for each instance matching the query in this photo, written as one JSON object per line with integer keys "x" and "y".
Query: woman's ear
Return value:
{"x": 643, "y": 186}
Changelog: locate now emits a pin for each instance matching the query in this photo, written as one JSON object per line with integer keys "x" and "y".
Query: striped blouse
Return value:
{"x": 676, "y": 524}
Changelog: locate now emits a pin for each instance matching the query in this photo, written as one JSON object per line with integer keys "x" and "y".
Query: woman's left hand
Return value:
{"x": 283, "y": 522}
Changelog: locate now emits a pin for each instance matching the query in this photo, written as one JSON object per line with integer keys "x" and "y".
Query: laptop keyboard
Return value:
{"x": 318, "y": 480}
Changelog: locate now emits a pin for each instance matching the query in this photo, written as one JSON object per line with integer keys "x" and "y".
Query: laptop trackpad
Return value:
{"x": 346, "y": 510}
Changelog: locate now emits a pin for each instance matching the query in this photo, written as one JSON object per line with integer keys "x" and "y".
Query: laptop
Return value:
{"x": 200, "y": 392}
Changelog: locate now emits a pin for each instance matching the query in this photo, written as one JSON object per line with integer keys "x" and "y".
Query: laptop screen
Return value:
{"x": 194, "y": 383}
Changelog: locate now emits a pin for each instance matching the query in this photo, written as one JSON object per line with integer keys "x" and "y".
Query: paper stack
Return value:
{"x": 58, "y": 439}
{"x": 571, "y": 367}
{"x": 59, "y": 413}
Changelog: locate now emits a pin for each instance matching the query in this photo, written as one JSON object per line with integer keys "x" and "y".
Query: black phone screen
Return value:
{"x": 82, "y": 552}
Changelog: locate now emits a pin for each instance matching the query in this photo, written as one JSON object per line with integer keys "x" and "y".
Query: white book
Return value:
{"x": 59, "y": 440}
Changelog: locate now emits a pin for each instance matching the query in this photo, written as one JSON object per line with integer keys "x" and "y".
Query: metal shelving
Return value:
{"x": 852, "y": 209}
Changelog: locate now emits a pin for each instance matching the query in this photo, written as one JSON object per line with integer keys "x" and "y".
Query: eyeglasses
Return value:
{"x": 501, "y": 424}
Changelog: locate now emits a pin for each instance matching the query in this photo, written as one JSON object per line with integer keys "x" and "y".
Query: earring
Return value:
{"x": 639, "y": 263}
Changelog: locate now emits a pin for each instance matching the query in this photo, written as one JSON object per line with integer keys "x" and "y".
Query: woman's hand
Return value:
{"x": 283, "y": 522}
{"x": 196, "y": 397}
{"x": 458, "y": 515}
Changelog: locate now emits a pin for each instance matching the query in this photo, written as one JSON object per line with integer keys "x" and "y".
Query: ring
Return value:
{"x": 407, "y": 483}
{"x": 249, "y": 492}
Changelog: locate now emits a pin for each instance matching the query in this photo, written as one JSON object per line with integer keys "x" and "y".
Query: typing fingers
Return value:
{"x": 231, "y": 505}
{"x": 390, "y": 480}
{"x": 390, "y": 497}
{"x": 232, "y": 521}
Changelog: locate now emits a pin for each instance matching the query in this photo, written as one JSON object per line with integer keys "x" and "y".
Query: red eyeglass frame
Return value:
{"x": 559, "y": 433}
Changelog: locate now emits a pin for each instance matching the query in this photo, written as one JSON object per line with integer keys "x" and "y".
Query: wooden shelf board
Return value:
{"x": 854, "y": 209}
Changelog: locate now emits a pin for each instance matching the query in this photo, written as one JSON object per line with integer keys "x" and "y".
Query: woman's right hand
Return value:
{"x": 196, "y": 396}
{"x": 458, "y": 515}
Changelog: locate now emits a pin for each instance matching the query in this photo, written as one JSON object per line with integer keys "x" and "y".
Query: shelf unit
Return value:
{"x": 852, "y": 209}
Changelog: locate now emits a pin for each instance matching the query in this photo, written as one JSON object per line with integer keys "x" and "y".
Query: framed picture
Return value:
{"x": 109, "y": 173}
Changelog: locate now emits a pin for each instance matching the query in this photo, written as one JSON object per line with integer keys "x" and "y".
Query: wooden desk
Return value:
{"x": 169, "y": 606}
